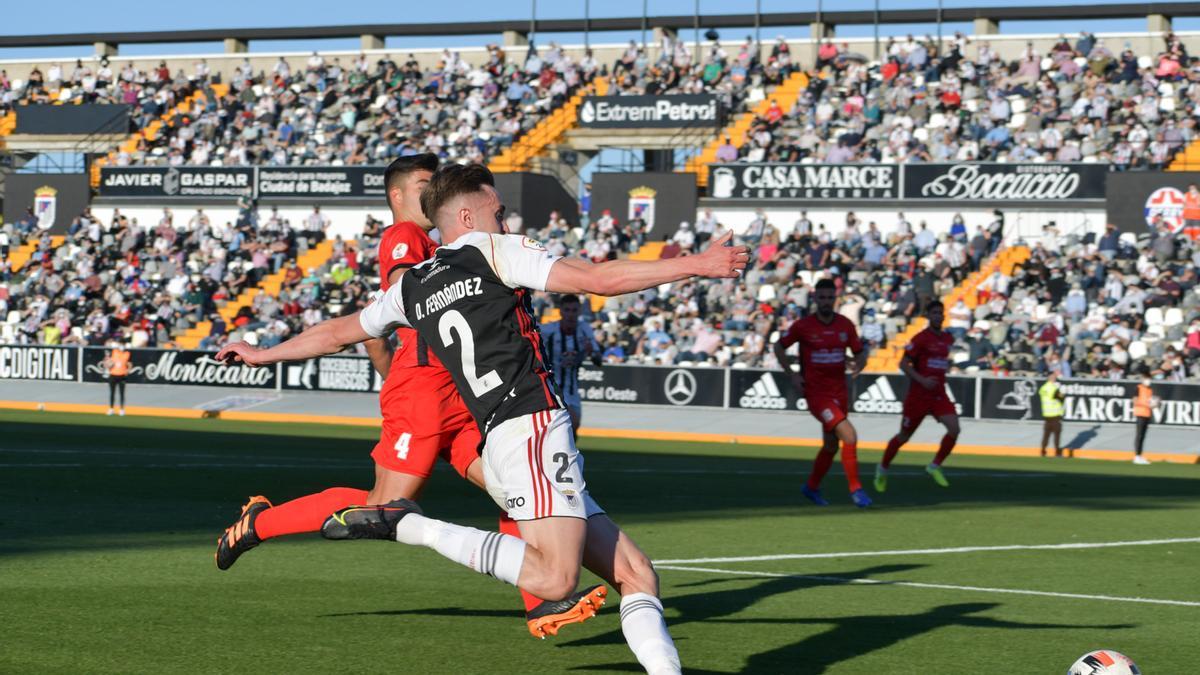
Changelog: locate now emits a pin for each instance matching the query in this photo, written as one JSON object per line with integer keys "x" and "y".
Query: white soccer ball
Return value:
{"x": 1104, "y": 662}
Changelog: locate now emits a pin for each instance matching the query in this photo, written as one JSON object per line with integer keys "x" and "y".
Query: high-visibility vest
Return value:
{"x": 1191, "y": 206}
{"x": 120, "y": 362}
{"x": 1052, "y": 406}
{"x": 1142, "y": 401}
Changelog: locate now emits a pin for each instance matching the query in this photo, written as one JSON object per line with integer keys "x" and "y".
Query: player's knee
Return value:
{"x": 635, "y": 574}
{"x": 560, "y": 584}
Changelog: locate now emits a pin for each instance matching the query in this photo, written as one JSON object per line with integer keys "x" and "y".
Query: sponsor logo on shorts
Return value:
{"x": 514, "y": 502}
{"x": 878, "y": 398}
{"x": 827, "y": 415}
{"x": 763, "y": 394}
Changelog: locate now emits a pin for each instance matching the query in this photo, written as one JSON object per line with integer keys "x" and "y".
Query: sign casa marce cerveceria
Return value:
{"x": 964, "y": 182}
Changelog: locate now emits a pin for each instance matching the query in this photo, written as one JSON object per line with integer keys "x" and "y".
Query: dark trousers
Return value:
{"x": 1142, "y": 424}
{"x": 1052, "y": 425}
{"x": 116, "y": 382}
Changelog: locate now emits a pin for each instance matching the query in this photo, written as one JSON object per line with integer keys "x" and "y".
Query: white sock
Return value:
{"x": 491, "y": 553}
{"x": 646, "y": 632}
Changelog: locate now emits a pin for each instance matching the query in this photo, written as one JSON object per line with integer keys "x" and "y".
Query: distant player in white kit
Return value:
{"x": 471, "y": 304}
{"x": 569, "y": 343}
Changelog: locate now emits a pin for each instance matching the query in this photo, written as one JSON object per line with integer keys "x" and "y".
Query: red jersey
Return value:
{"x": 930, "y": 356}
{"x": 823, "y": 352}
{"x": 404, "y": 245}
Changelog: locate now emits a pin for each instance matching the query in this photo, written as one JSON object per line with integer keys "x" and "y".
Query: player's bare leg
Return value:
{"x": 944, "y": 449}
{"x": 613, "y": 556}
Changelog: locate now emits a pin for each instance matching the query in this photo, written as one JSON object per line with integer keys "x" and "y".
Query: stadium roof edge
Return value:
{"x": 896, "y": 16}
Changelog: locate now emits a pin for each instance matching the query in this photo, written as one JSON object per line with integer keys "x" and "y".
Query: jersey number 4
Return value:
{"x": 454, "y": 322}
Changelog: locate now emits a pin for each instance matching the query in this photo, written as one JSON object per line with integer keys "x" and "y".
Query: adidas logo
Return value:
{"x": 763, "y": 394}
{"x": 878, "y": 398}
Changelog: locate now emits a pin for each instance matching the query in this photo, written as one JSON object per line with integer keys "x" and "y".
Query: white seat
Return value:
{"x": 1157, "y": 331}
{"x": 1137, "y": 350}
{"x": 1047, "y": 63}
{"x": 1166, "y": 104}
{"x": 14, "y": 317}
{"x": 1173, "y": 316}
{"x": 1081, "y": 61}
{"x": 921, "y": 134}
{"x": 1018, "y": 104}
{"x": 1090, "y": 159}
{"x": 1145, "y": 62}
{"x": 936, "y": 121}
{"x": 1154, "y": 316}
{"x": 1017, "y": 121}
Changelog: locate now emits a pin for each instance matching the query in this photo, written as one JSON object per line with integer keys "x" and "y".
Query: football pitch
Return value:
{"x": 1021, "y": 566}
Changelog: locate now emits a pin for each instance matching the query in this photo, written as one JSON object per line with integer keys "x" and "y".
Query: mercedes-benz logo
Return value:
{"x": 680, "y": 387}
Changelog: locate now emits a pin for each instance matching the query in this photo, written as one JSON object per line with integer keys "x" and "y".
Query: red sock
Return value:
{"x": 850, "y": 465}
{"x": 944, "y": 449}
{"x": 821, "y": 466}
{"x": 509, "y": 526}
{"x": 893, "y": 447}
{"x": 305, "y": 514}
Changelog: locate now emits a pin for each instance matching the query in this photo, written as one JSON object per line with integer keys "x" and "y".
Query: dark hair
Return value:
{"x": 568, "y": 299}
{"x": 451, "y": 181}
{"x": 934, "y": 304}
{"x": 825, "y": 283}
{"x": 402, "y": 166}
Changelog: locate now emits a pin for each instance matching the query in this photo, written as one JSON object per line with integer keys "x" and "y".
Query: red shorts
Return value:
{"x": 829, "y": 410}
{"x": 917, "y": 407}
{"x": 424, "y": 418}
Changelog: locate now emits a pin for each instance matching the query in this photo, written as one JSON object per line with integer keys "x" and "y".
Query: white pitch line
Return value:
{"x": 932, "y": 551}
{"x": 944, "y": 587}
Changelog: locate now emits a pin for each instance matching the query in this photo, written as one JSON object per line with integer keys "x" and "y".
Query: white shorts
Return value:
{"x": 533, "y": 470}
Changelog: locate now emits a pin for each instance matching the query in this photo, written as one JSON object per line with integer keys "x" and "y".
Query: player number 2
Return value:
{"x": 564, "y": 463}
{"x": 454, "y": 322}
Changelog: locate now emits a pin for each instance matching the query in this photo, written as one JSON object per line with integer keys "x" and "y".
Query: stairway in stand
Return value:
{"x": 886, "y": 359}
{"x": 271, "y": 284}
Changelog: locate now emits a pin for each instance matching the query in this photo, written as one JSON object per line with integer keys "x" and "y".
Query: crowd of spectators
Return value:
{"x": 1107, "y": 306}
{"x": 141, "y": 283}
{"x": 1083, "y": 101}
{"x": 364, "y": 111}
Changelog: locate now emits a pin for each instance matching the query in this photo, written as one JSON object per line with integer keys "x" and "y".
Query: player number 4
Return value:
{"x": 454, "y": 322}
{"x": 402, "y": 445}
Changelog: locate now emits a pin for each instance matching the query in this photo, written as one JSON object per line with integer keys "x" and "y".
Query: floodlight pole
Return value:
{"x": 644, "y": 10}
{"x": 587, "y": 23}
{"x": 533, "y": 23}
{"x": 875, "y": 21}
{"x": 757, "y": 23}
{"x": 696, "y": 31}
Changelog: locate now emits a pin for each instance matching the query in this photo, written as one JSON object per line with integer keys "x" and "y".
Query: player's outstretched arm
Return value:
{"x": 616, "y": 277}
{"x": 327, "y": 337}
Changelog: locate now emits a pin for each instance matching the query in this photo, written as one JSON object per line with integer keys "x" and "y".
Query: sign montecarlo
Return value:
{"x": 156, "y": 366}
{"x": 973, "y": 182}
{"x": 632, "y": 112}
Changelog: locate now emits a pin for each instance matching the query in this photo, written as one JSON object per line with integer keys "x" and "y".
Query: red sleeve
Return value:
{"x": 913, "y": 349}
{"x": 856, "y": 344}
{"x": 792, "y": 336}
{"x": 402, "y": 246}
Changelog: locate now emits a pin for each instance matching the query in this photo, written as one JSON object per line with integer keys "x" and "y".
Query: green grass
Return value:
{"x": 108, "y": 529}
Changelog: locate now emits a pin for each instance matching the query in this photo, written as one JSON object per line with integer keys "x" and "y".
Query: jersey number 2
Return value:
{"x": 454, "y": 322}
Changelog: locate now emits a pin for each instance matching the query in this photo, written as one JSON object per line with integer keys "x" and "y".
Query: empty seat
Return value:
{"x": 1154, "y": 316}
{"x": 1137, "y": 350}
{"x": 1173, "y": 316}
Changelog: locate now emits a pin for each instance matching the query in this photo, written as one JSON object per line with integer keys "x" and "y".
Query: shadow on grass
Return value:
{"x": 86, "y": 482}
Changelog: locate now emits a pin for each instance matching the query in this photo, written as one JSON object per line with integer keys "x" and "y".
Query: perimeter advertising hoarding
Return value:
{"x": 653, "y": 385}
{"x": 331, "y": 373}
{"x": 1136, "y": 197}
{"x": 869, "y": 392}
{"x": 166, "y": 366}
{"x": 643, "y": 112}
{"x": 1087, "y": 401}
{"x": 181, "y": 181}
{"x": 974, "y": 183}
{"x": 33, "y": 362}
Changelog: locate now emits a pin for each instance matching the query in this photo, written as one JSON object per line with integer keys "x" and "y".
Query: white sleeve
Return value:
{"x": 385, "y": 313}
{"x": 519, "y": 261}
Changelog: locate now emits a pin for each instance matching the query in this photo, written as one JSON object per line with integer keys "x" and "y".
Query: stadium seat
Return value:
{"x": 1154, "y": 316}
{"x": 1173, "y": 316}
{"x": 1137, "y": 350}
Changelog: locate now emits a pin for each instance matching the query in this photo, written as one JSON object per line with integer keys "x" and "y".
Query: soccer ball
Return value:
{"x": 1104, "y": 662}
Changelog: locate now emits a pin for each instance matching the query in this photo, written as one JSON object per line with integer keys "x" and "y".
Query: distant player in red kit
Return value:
{"x": 424, "y": 417}
{"x": 925, "y": 361}
{"x": 823, "y": 339}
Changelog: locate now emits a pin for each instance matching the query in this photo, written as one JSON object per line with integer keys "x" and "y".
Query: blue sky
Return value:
{"x": 76, "y": 16}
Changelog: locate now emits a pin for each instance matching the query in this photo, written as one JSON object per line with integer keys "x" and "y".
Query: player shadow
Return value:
{"x": 432, "y": 611}
{"x": 852, "y": 636}
{"x": 1081, "y": 439}
{"x": 711, "y": 605}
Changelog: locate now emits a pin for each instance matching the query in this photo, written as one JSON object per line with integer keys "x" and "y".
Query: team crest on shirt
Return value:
{"x": 842, "y": 336}
{"x": 532, "y": 244}
{"x": 399, "y": 251}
